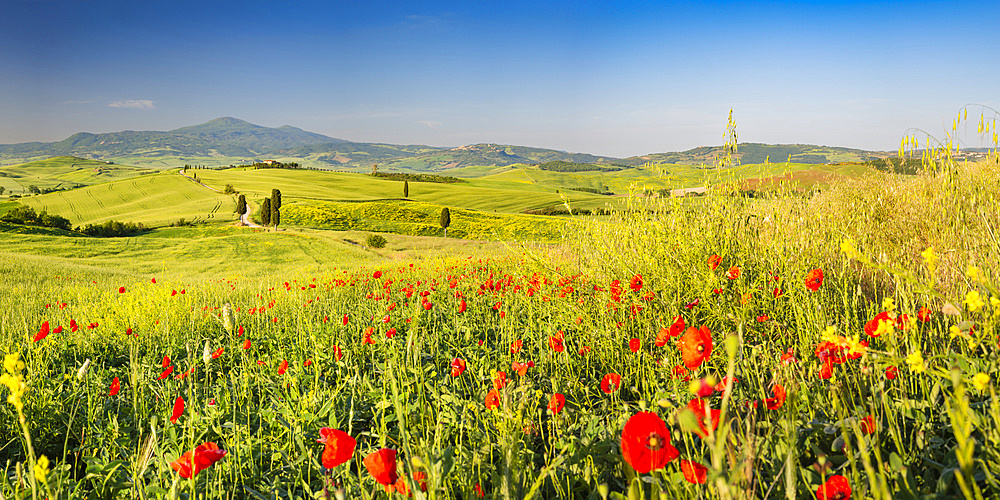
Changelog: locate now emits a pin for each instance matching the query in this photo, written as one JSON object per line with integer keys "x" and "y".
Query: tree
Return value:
{"x": 241, "y": 205}
{"x": 406, "y": 189}
{"x": 445, "y": 220}
{"x": 275, "y": 198}
{"x": 265, "y": 212}
{"x": 2, "y": 189}
{"x": 275, "y": 215}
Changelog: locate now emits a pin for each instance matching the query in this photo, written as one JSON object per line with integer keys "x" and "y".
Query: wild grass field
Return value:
{"x": 838, "y": 343}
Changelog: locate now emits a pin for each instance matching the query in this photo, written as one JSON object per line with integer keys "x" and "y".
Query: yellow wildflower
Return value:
{"x": 954, "y": 331}
{"x": 981, "y": 381}
{"x": 974, "y": 273}
{"x": 884, "y": 327}
{"x": 916, "y": 362}
{"x": 973, "y": 301}
{"x": 930, "y": 258}
{"x": 847, "y": 246}
{"x": 854, "y": 346}
{"x": 41, "y": 468}
{"x": 830, "y": 334}
{"x": 888, "y": 304}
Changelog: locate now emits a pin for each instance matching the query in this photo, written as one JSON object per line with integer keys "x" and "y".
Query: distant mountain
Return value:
{"x": 231, "y": 137}
{"x": 753, "y": 152}
{"x": 220, "y": 137}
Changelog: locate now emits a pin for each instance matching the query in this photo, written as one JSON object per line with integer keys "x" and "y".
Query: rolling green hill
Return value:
{"x": 489, "y": 194}
{"x": 154, "y": 200}
{"x": 63, "y": 172}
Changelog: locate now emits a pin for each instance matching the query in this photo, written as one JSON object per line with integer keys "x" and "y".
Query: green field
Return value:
{"x": 154, "y": 200}
{"x": 505, "y": 195}
{"x": 63, "y": 172}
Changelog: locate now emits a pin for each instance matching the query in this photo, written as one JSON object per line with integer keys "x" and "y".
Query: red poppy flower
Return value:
{"x": 891, "y": 372}
{"x": 835, "y": 488}
{"x": 714, "y": 261}
{"x": 646, "y": 443}
{"x": 556, "y": 402}
{"x": 814, "y": 279}
{"x": 827, "y": 370}
{"x": 428, "y": 306}
{"x": 479, "y": 491}
{"x": 721, "y": 386}
{"x": 239, "y": 331}
{"x": 192, "y": 462}
{"x": 115, "y": 387}
{"x": 377, "y": 274}
{"x": 492, "y": 399}
{"x": 457, "y": 367}
{"x": 733, "y": 272}
{"x": 283, "y": 367}
{"x": 42, "y": 332}
{"x": 178, "y": 410}
{"x": 307, "y": 363}
{"x": 694, "y": 472}
{"x": 218, "y": 352}
{"x": 462, "y": 306}
{"x": 166, "y": 373}
{"x": 521, "y": 368}
{"x": 698, "y": 407}
{"x": 382, "y": 466}
{"x": 762, "y": 318}
{"x": 635, "y": 283}
{"x": 872, "y": 327}
{"x": 634, "y": 345}
{"x": 515, "y": 346}
{"x": 778, "y": 399}
{"x": 337, "y": 352}
{"x": 584, "y": 350}
{"x": 675, "y": 329}
{"x": 611, "y": 382}
{"x": 556, "y": 342}
{"x": 777, "y": 292}
{"x": 420, "y": 477}
{"x": 695, "y": 346}
{"x": 345, "y": 320}
{"x": 339, "y": 447}
{"x": 500, "y": 381}
{"x": 867, "y": 425}
{"x": 924, "y": 314}
{"x": 121, "y": 289}
{"x": 246, "y": 344}
{"x": 59, "y": 329}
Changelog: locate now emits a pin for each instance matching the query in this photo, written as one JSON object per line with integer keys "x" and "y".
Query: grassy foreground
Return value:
{"x": 836, "y": 346}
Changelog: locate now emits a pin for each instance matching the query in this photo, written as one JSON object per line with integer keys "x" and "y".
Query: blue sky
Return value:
{"x": 610, "y": 78}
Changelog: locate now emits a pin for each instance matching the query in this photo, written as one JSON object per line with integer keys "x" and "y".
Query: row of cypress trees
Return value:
{"x": 270, "y": 209}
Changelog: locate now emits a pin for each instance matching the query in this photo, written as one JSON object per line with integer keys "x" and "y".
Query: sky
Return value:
{"x": 617, "y": 78}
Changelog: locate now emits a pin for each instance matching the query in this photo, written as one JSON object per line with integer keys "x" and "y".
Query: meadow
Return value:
{"x": 831, "y": 344}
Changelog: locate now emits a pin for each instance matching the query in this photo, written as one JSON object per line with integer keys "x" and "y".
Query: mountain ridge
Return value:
{"x": 229, "y": 137}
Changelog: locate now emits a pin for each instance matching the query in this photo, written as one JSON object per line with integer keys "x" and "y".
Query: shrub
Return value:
{"x": 376, "y": 241}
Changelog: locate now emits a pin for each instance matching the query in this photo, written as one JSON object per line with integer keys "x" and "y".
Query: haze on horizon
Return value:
{"x": 607, "y": 78}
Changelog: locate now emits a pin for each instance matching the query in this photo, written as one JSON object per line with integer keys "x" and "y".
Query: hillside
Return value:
{"x": 752, "y": 152}
{"x": 62, "y": 172}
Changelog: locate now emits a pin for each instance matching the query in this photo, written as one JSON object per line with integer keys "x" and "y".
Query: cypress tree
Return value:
{"x": 406, "y": 189}
{"x": 241, "y": 205}
{"x": 275, "y": 198}
{"x": 275, "y": 216}
{"x": 265, "y": 212}
{"x": 445, "y": 220}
